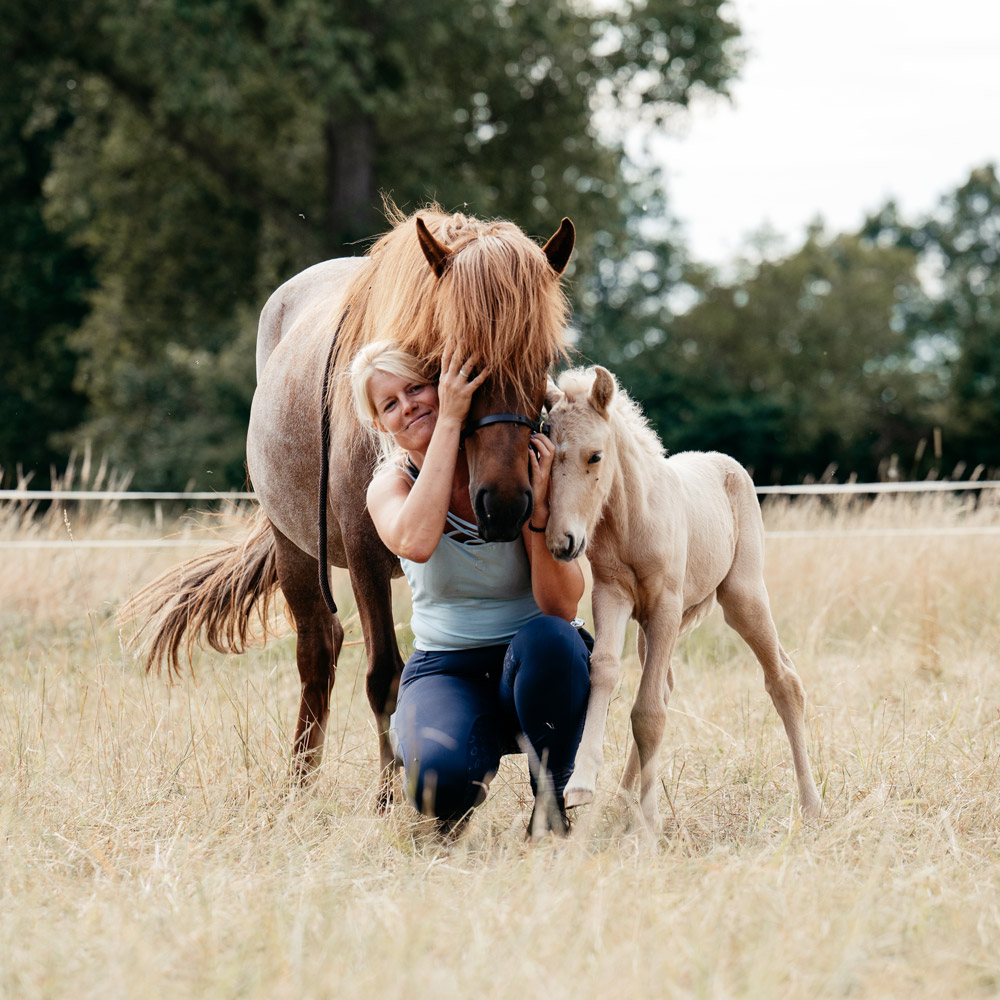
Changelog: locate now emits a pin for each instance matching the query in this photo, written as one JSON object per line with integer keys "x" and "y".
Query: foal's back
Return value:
{"x": 700, "y": 507}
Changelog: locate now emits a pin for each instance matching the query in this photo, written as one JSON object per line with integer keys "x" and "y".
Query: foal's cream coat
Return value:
{"x": 665, "y": 537}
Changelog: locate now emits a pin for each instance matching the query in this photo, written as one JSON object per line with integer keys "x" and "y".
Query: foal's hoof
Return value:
{"x": 574, "y": 797}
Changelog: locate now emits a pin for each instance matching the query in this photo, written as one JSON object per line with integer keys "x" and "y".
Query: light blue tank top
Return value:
{"x": 470, "y": 592}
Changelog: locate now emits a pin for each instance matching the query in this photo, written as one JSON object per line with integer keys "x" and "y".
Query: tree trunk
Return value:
{"x": 350, "y": 166}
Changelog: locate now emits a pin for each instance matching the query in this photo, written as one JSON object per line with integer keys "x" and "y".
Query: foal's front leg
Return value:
{"x": 649, "y": 711}
{"x": 612, "y": 609}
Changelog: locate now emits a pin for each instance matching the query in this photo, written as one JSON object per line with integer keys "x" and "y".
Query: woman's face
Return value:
{"x": 404, "y": 408}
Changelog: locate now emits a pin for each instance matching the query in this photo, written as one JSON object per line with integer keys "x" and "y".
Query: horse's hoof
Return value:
{"x": 574, "y": 797}
{"x": 384, "y": 799}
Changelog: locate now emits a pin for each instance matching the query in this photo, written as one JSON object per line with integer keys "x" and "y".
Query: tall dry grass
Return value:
{"x": 152, "y": 844}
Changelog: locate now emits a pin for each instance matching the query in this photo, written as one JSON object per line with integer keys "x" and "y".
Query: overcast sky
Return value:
{"x": 839, "y": 106}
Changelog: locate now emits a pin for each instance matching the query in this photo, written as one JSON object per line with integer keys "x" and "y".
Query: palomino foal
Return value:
{"x": 665, "y": 537}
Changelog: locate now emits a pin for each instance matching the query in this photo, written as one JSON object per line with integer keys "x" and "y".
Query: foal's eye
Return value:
{"x": 594, "y": 459}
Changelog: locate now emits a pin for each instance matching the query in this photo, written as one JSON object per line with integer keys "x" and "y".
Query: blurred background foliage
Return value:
{"x": 164, "y": 166}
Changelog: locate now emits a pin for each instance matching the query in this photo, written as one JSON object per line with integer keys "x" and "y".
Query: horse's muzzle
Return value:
{"x": 499, "y": 520}
{"x": 567, "y": 546}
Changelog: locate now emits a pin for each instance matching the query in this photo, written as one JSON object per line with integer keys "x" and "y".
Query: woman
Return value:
{"x": 496, "y": 655}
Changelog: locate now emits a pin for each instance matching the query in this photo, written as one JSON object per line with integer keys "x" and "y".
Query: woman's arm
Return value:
{"x": 556, "y": 586}
{"x": 410, "y": 517}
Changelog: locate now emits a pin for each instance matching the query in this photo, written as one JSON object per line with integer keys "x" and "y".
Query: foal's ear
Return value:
{"x": 602, "y": 390}
{"x": 437, "y": 254}
{"x": 560, "y": 246}
{"x": 552, "y": 393}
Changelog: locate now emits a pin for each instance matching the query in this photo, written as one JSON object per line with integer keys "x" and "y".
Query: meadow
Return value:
{"x": 153, "y": 845}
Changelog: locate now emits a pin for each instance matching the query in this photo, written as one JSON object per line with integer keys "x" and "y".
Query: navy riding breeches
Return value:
{"x": 460, "y": 710}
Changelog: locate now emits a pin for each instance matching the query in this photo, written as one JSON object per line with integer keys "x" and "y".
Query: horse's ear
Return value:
{"x": 560, "y": 246}
{"x": 552, "y": 394}
{"x": 437, "y": 254}
{"x": 602, "y": 390}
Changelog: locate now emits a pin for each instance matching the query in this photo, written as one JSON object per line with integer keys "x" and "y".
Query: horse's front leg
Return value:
{"x": 612, "y": 609}
{"x": 371, "y": 566}
{"x": 649, "y": 711}
{"x": 631, "y": 770}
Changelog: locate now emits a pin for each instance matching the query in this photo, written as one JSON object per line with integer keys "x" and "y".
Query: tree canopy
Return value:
{"x": 872, "y": 354}
{"x": 200, "y": 153}
{"x": 164, "y": 167}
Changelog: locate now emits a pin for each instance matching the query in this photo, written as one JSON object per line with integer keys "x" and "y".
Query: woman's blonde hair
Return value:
{"x": 380, "y": 356}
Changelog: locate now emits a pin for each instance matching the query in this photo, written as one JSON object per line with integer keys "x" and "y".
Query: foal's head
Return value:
{"x": 585, "y": 463}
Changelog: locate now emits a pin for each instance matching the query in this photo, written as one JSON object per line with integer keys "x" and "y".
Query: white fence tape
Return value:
{"x": 806, "y": 489}
{"x": 117, "y": 495}
{"x": 177, "y": 543}
{"x": 922, "y": 486}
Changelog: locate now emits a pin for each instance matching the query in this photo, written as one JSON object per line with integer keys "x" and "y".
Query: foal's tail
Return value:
{"x": 220, "y": 599}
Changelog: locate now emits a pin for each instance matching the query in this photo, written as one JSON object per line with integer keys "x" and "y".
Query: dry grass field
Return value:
{"x": 153, "y": 846}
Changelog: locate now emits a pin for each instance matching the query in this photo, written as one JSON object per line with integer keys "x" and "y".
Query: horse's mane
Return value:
{"x": 629, "y": 424}
{"x": 498, "y": 299}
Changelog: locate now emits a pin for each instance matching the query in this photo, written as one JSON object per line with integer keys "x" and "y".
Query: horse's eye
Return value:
{"x": 594, "y": 459}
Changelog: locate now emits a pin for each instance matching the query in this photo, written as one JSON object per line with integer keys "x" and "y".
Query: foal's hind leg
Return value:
{"x": 743, "y": 598}
{"x": 319, "y": 638}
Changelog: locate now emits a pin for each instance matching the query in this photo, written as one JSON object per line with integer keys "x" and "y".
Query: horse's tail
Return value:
{"x": 221, "y": 599}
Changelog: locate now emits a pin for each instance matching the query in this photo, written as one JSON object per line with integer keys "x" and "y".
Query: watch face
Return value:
{"x": 577, "y": 623}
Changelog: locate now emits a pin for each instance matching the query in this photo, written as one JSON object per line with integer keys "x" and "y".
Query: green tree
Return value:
{"x": 959, "y": 327}
{"x": 218, "y": 147}
{"x": 43, "y": 280}
{"x": 802, "y": 363}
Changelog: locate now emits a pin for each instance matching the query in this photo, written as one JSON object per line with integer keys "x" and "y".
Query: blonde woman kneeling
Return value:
{"x": 495, "y": 652}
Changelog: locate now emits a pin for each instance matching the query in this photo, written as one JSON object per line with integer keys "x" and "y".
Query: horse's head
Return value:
{"x": 582, "y": 431}
{"x": 500, "y": 300}
{"x": 496, "y": 448}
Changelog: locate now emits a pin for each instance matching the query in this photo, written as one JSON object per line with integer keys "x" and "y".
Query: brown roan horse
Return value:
{"x": 433, "y": 281}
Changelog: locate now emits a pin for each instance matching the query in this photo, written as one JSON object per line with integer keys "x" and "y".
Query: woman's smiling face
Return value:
{"x": 404, "y": 408}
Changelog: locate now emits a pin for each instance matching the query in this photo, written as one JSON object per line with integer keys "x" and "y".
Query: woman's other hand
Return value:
{"x": 457, "y": 386}
{"x": 541, "y": 452}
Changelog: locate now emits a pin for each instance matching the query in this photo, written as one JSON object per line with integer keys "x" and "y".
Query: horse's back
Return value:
{"x": 283, "y": 438}
{"x": 299, "y": 295}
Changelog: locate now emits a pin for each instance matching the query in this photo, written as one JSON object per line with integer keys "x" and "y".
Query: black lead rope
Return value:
{"x": 324, "y": 473}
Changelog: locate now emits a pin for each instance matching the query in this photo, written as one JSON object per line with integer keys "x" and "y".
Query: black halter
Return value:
{"x": 535, "y": 426}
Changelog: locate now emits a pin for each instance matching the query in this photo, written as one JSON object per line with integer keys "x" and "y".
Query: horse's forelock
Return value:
{"x": 497, "y": 298}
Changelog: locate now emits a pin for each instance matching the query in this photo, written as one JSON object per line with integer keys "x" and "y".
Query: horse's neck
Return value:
{"x": 639, "y": 480}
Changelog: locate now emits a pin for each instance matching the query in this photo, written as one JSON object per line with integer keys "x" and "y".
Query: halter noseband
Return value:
{"x": 536, "y": 426}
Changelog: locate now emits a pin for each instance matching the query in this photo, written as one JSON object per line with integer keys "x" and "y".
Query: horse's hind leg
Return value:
{"x": 744, "y": 602}
{"x": 319, "y": 638}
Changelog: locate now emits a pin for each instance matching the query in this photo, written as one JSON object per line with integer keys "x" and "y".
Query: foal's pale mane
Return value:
{"x": 630, "y": 426}
{"x": 498, "y": 298}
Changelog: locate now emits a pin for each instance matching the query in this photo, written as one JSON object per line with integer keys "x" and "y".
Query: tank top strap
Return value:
{"x": 456, "y": 528}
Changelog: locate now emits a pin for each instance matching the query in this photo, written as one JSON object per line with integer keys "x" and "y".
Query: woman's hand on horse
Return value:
{"x": 457, "y": 386}
{"x": 541, "y": 452}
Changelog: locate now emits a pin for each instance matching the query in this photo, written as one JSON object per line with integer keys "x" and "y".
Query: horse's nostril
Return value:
{"x": 570, "y": 544}
{"x": 480, "y": 506}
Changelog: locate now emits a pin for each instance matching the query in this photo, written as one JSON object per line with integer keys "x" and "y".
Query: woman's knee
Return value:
{"x": 549, "y": 639}
{"x": 446, "y": 780}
